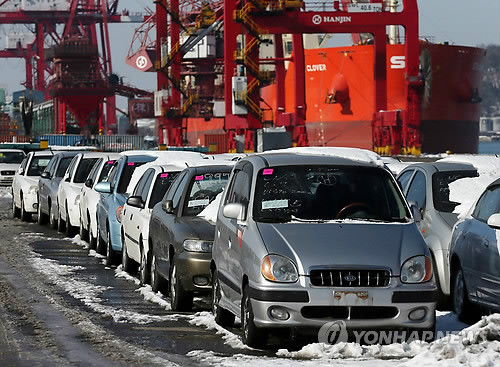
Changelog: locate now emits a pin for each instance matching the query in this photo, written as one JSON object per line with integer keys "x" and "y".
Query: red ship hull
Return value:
{"x": 449, "y": 111}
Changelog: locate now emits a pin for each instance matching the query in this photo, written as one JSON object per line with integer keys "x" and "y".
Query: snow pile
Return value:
{"x": 355, "y": 154}
{"x": 150, "y": 296}
{"x": 466, "y": 191}
{"x": 120, "y": 273}
{"x": 78, "y": 240}
{"x": 207, "y": 320}
{"x": 478, "y": 345}
{"x": 211, "y": 210}
{"x": 5, "y": 192}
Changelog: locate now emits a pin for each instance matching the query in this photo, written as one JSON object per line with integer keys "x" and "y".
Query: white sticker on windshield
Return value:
{"x": 275, "y": 204}
{"x": 200, "y": 202}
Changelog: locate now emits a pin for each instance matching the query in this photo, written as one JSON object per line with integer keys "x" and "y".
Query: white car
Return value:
{"x": 89, "y": 197}
{"x": 149, "y": 190}
{"x": 25, "y": 185}
{"x": 10, "y": 160}
{"x": 68, "y": 194}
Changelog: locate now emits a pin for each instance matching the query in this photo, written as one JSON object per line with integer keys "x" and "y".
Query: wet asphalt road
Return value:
{"x": 43, "y": 322}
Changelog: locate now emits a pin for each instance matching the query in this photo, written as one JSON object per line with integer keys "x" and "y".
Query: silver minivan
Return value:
{"x": 302, "y": 240}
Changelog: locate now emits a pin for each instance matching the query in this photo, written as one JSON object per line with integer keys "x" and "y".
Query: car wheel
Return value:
{"x": 84, "y": 232}
{"x": 15, "y": 210}
{"x": 69, "y": 230}
{"x": 461, "y": 304}
{"x": 180, "y": 299}
{"x": 144, "y": 275}
{"x": 129, "y": 265}
{"x": 42, "y": 218}
{"x": 52, "y": 218}
{"x": 222, "y": 316}
{"x": 101, "y": 245}
{"x": 61, "y": 224}
{"x": 111, "y": 255}
{"x": 25, "y": 216}
{"x": 252, "y": 336}
{"x": 157, "y": 281}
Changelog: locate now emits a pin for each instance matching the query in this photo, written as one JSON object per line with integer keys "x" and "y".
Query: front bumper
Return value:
{"x": 74, "y": 215}
{"x": 194, "y": 271}
{"x": 30, "y": 202}
{"x": 312, "y": 307}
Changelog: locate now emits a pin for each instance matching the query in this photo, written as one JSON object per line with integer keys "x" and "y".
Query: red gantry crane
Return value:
{"x": 76, "y": 70}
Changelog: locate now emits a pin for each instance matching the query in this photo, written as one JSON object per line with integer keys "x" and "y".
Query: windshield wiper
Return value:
{"x": 309, "y": 220}
{"x": 273, "y": 220}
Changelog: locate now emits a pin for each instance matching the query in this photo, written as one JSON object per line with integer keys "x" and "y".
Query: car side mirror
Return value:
{"x": 136, "y": 202}
{"x": 45, "y": 175}
{"x": 103, "y": 187}
{"x": 168, "y": 206}
{"x": 67, "y": 179}
{"x": 417, "y": 213}
{"x": 494, "y": 221}
{"x": 234, "y": 211}
{"x": 89, "y": 183}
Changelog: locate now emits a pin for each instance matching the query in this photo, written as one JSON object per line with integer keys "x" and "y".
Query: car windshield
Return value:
{"x": 84, "y": 169}
{"x": 202, "y": 191}
{"x": 321, "y": 193}
{"x": 105, "y": 171}
{"x": 11, "y": 157}
{"x": 37, "y": 165}
{"x": 441, "y": 188}
{"x": 63, "y": 166}
{"x": 126, "y": 176}
{"x": 162, "y": 183}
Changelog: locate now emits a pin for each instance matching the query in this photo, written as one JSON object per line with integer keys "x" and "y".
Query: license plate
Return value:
{"x": 352, "y": 298}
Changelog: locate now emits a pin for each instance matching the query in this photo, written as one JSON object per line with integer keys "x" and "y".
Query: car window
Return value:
{"x": 38, "y": 165}
{"x": 50, "y": 166}
{"x": 441, "y": 188}
{"x": 126, "y": 175}
{"x": 321, "y": 192}
{"x": 83, "y": 170}
{"x": 72, "y": 165}
{"x": 417, "y": 190}
{"x": 240, "y": 187}
{"x": 202, "y": 191}
{"x": 162, "y": 184}
{"x": 140, "y": 185}
{"x": 404, "y": 178}
{"x": 145, "y": 190}
{"x": 63, "y": 166}
{"x": 95, "y": 169}
{"x": 11, "y": 157}
{"x": 107, "y": 172}
{"x": 489, "y": 204}
{"x": 179, "y": 190}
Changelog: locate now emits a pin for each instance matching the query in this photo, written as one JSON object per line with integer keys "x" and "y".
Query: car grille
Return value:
{"x": 342, "y": 312}
{"x": 349, "y": 278}
{"x": 8, "y": 173}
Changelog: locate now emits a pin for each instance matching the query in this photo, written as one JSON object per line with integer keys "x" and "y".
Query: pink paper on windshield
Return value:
{"x": 164, "y": 175}
{"x": 111, "y": 162}
{"x": 268, "y": 171}
{"x": 199, "y": 178}
{"x": 131, "y": 163}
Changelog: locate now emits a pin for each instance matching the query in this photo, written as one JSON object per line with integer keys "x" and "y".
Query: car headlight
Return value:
{"x": 417, "y": 269}
{"x": 119, "y": 213}
{"x": 77, "y": 200}
{"x": 278, "y": 268}
{"x": 198, "y": 246}
{"x": 33, "y": 190}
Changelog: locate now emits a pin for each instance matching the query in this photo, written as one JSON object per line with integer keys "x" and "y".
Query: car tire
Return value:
{"x": 69, "y": 230}
{"x": 180, "y": 299}
{"x": 157, "y": 281}
{"x": 111, "y": 255}
{"x": 222, "y": 316}
{"x": 101, "y": 245}
{"x": 462, "y": 307}
{"x": 42, "y": 217}
{"x": 129, "y": 265}
{"x": 16, "y": 212}
{"x": 443, "y": 301}
{"x": 252, "y": 336}
{"x": 53, "y": 222}
{"x": 144, "y": 270}
{"x": 25, "y": 216}
{"x": 84, "y": 232}
{"x": 61, "y": 224}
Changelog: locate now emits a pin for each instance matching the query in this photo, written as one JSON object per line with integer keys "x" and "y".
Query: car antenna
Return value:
{"x": 187, "y": 165}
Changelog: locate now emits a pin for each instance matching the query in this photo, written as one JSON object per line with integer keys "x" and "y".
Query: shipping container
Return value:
{"x": 216, "y": 143}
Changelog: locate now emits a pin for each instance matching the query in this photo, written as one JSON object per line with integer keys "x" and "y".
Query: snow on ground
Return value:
{"x": 355, "y": 154}
{"x": 5, "y": 192}
{"x": 466, "y": 191}
{"x": 78, "y": 240}
{"x": 210, "y": 212}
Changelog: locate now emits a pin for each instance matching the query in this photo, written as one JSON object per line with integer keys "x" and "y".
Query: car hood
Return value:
{"x": 9, "y": 166}
{"x": 198, "y": 228}
{"x": 344, "y": 244}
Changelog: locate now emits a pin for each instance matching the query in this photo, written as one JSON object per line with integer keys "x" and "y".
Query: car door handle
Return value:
{"x": 485, "y": 243}
{"x": 131, "y": 216}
